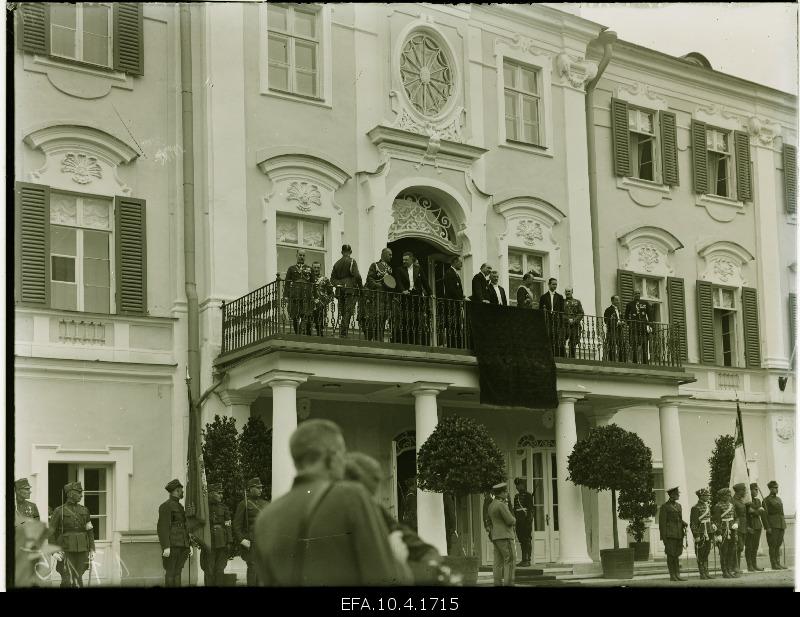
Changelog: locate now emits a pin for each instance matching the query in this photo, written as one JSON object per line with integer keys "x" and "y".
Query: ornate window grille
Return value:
{"x": 417, "y": 215}
{"x": 426, "y": 74}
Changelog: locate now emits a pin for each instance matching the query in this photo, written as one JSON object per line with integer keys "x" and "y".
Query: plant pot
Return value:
{"x": 617, "y": 562}
{"x": 641, "y": 550}
{"x": 229, "y": 580}
{"x": 467, "y": 567}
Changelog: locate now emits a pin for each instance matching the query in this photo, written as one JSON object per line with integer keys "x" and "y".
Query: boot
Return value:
{"x": 701, "y": 570}
{"x": 678, "y": 576}
{"x": 671, "y": 568}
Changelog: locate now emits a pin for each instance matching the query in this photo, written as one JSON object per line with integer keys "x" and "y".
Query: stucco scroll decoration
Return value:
{"x": 783, "y": 428}
{"x": 648, "y": 256}
{"x": 763, "y": 129}
{"x": 416, "y": 213}
{"x": 450, "y": 131}
{"x": 305, "y": 194}
{"x": 82, "y": 167}
{"x": 576, "y": 71}
{"x": 725, "y": 269}
{"x": 641, "y": 94}
{"x": 530, "y": 231}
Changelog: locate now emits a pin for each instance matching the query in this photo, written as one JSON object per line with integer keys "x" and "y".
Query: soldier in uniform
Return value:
{"x": 723, "y": 517}
{"x": 756, "y": 517}
{"x": 776, "y": 525}
{"x": 702, "y": 530}
{"x": 173, "y": 535}
{"x": 26, "y": 510}
{"x": 523, "y": 512}
{"x": 71, "y": 529}
{"x": 573, "y": 315}
{"x": 322, "y": 298}
{"x": 502, "y": 536}
{"x": 215, "y": 557}
{"x": 346, "y": 278}
{"x": 376, "y": 302}
{"x": 740, "y": 512}
{"x": 297, "y": 293}
{"x": 244, "y": 525}
{"x": 673, "y": 529}
{"x": 638, "y": 317}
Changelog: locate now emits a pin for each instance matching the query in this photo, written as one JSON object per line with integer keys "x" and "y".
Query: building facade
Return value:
{"x": 438, "y": 129}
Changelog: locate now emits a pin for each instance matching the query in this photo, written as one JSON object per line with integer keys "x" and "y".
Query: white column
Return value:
{"x": 237, "y": 405}
{"x": 571, "y": 529}
{"x": 781, "y": 456}
{"x": 672, "y": 449}
{"x": 284, "y": 386}
{"x": 430, "y": 506}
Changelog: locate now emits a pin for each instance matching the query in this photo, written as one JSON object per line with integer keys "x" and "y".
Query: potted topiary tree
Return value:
{"x": 637, "y": 507}
{"x": 460, "y": 458}
{"x": 255, "y": 453}
{"x": 221, "y": 459}
{"x": 612, "y": 459}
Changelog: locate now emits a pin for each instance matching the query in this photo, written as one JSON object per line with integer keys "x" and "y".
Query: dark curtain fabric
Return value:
{"x": 514, "y": 354}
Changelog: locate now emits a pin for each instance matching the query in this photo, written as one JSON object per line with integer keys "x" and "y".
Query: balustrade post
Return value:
{"x": 434, "y": 323}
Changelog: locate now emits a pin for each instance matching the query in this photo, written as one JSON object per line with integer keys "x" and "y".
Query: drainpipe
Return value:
{"x": 187, "y": 125}
{"x": 606, "y": 38}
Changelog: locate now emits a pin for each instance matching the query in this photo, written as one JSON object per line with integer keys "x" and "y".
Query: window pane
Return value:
{"x": 91, "y": 501}
{"x": 94, "y": 479}
{"x": 530, "y": 110}
{"x": 95, "y": 19}
{"x": 63, "y": 15}
{"x": 278, "y": 49}
{"x": 286, "y": 257}
{"x": 313, "y": 234}
{"x": 531, "y": 133}
{"x": 508, "y": 75}
{"x": 529, "y": 80}
{"x": 305, "y": 24}
{"x": 95, "y": 245}
{"x": 535, "y": 265}
{"x": 96, "y": 299}
{"x": 95, "y": 49}
{"x": 653, "y": 288}
{"x": 537, "y": 289}
{"x": 514, "y": 263}
{"x": 278, "y": 77}
{"x": 62, "y": 269}
{"x": 276, "y": 17}
{"x": 287, "y": 230}
{"x": 63, "y": 209}
{"x": 722, "y": 176}
{"x": 95, "y": 273}
{"x": 64, "y": 296}
{"x": 727, "y": 298}
{"x": 62, "y": 41}
{"x": 100, "y": 527}
{"x": 645, "y": 157}
{"x": 513, "y": 285}
{"x": 305, "y": 56}
{"x": 62, "y": 241}
{"x": 511, "y": 129}
{"x": 306, "y": 83}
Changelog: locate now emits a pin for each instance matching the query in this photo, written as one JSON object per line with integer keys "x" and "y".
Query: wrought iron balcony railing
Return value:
{"x": 409, "y": 319}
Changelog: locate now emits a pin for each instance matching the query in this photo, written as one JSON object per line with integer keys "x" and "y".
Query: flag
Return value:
{"x": 197, "y": 516}
{"x": 739, "y": 471}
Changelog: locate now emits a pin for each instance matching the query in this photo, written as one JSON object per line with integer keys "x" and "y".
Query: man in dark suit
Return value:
{"x": 614, "y": 341}
{"x": 480, "y": 284}
{"x": 553, "y": 302}
{"x": 324, "y": 532}
{"x": 412, "y": 327}
{"x": 637, "y": 316}
{"x": 497, "y": 295}
{"x": 346, "y": 279}
{"x": 451, "y": 306}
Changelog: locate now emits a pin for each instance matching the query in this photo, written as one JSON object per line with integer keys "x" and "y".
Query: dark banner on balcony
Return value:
{"x": 515, "y": 358}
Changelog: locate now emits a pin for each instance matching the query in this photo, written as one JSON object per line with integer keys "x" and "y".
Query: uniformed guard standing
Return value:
{"x": 173, "y": 535}
{"x": 523, "y": 512}
{"x": 215, "y": 558}
{"x": 673, "y": 529}
{"x": 702, "y": 530}
{"x": 244, "y": 523}
{"x": 756, "y": 517}
{"x": 25, "y": 510}
{"x": 71, "y": 529}
{"x": 723, "y": 517}
{"x": 740, "y": 512}
{"x": 776, "y": 525}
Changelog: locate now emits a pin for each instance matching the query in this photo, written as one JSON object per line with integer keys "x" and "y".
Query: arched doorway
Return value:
{"x": 404, "y": 471}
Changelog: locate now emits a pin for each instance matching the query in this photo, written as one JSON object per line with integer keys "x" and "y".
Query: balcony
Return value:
{"x": 412, "y": 322}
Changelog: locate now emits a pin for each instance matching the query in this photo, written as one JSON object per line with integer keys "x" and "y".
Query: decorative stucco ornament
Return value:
{"x": 725, "y": 269}
{"x": 305, "y": 194}
{"x": 548, "y": 419}
{"x": 426, "y": 74}
{"x": 648, "y": 256}
{"x": 82, "y": 167}
{"x": 783, "y": 428}
{"x": 530, "y": 231}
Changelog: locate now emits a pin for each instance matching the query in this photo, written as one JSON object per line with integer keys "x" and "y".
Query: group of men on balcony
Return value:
{"x": 397, "y": 300}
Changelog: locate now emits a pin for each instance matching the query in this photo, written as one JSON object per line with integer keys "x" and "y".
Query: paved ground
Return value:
{"x": 781, "y": 578}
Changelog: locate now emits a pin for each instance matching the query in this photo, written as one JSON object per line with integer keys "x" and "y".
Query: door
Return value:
{"x": 538, "y": 467}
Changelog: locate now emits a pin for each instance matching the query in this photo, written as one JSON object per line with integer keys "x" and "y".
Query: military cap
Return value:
{"x": 703, "y": 492}
{"x": 724, "y": 492}
{"x": 674, "y": 489}
{"x": 739, "y": 486}
{"x": 173, "y": 484}
{"x": 772, "y": 484}
{"x": 753, "y": 485}
{"x": 73, "y": 486}
{"x": 518, "y": 480}
{"x": 254, "y": 482}
{"x": 215, "y": 488}
{"x": 346, "y": 248}
{"x": 22, "y": 483}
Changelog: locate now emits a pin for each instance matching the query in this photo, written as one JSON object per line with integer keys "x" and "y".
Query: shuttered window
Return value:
{"x": 792, "y": 322}
{"x": 32, "y": 269}
{"x": 699, "y": 157}
{"x": 752, "y": 336}
{"x": 705, "y": 322}
{"x": 676, "y": 294}
{"x": 101, "y": 34}
{"x": 619, "y": 137}
{"x": 790, "y": 177}
{"x": 625, "y": 286}
{"x": 744, "y": 184}
{"x": 669, "y": 148}
{"x": 131, "y": 256}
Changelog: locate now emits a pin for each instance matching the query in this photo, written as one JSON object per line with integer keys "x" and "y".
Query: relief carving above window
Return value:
{"x": 81, "y": 167}
{"x": 647, "y": 250}
{"x": 724, "y": 262}
{"x": 305, "y": 194}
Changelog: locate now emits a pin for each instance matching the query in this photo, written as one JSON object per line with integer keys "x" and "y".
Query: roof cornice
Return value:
{"x": 545, "y": 18}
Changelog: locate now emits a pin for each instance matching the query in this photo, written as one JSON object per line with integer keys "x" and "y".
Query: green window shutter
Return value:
{"x": 790, "y": 177}
{"x": 744, "y": 182}
{"x": 620, "y": 137}
{"x": 792, "y": 321}
{"x": 128, "y": 33}
{"x": 625, "y": 287}
{"x": 131, "y": 255}
{"x": 752, "y": 336}
{"x": 34, "y": 27}
{"x": 699, "y": 157}
{"x": 669, "y": 147}
{"x": 32, "y": 267}
{"x": 705, "y": 322}
{"x": 676, "y": 293}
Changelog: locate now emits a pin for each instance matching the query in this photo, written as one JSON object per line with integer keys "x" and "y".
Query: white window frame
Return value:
{"x": 638, "y": 129}
{"x": 80, "y": 476}
{"x": 78, "y": 257}
{"x": 512, "y": 297}
{"x": 640, "y": 285}
{"x": 737, "y": 340}
{"x": 78, "y": 47}
{"x": 543, "y": 65}
{"x": 711, "y": 133}
{"x": 324, "y": 249}
{"x": 519, "y": 97}
{"x": 324, "y": 96}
